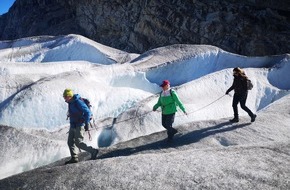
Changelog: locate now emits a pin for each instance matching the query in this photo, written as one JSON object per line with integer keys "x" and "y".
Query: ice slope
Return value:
{"x": 59, "y": 48}
{"x": 207, "y": 155}
{"x": 32, "y": 85}
{"x": 118, "y": 82}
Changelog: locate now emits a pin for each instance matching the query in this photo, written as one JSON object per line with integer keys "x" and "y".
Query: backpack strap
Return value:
{"x": 170, "y": 92}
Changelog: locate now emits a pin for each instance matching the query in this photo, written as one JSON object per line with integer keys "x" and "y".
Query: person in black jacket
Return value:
{"x": 241, "y": 92}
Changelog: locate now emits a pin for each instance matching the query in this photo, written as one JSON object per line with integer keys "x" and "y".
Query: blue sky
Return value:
{"x": 5, "y": 5}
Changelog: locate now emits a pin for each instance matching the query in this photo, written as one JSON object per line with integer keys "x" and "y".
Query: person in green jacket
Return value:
{"x": 168, "y": 101}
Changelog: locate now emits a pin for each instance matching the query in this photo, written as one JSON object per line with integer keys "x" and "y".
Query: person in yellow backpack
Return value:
{"x": 168, "y": 101}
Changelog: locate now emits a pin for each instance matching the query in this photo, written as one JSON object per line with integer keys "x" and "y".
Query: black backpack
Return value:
{"x": 249, "y": 84}
{"x": 87, "y": 102}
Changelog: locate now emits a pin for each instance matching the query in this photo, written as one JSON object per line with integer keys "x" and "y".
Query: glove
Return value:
{"x": 86, "y": 127}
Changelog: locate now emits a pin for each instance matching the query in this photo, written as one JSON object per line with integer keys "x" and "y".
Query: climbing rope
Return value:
{"x": 188, "y": 113}
{"x": 142, "y": 115}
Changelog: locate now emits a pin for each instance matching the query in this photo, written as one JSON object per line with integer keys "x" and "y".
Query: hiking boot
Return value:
{"x": 72, "y": 161}
{"x": 171, "y": 134}
{"x": 174, "y": 131}
{"x": 94, "y": 154}
{"x": 253, "y": 118}
{"x": 234, "y": 120}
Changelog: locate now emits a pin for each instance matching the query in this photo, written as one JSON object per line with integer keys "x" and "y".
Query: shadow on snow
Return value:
{"x": 178, "y": 141}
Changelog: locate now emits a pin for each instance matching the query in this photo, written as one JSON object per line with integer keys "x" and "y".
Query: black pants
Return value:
{"x": 241, "y": 98}
{"x": 167, "y": 121}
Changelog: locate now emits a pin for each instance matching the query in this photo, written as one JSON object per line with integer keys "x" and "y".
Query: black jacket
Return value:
{"x": 239, "y": 85}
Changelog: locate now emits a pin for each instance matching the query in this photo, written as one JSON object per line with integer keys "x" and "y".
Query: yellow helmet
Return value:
{"x": 68, "y": 92}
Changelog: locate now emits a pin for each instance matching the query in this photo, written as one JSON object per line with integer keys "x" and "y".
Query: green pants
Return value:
{"x": 75, "y": 141}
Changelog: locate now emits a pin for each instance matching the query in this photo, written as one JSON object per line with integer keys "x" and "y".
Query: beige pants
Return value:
{"x": 75, "y": 141}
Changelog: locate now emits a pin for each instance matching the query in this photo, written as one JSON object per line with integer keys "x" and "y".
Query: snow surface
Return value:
{"x": 209, "y": 152}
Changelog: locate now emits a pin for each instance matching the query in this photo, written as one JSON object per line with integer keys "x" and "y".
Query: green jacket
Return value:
{"x": 168, "y": 103}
